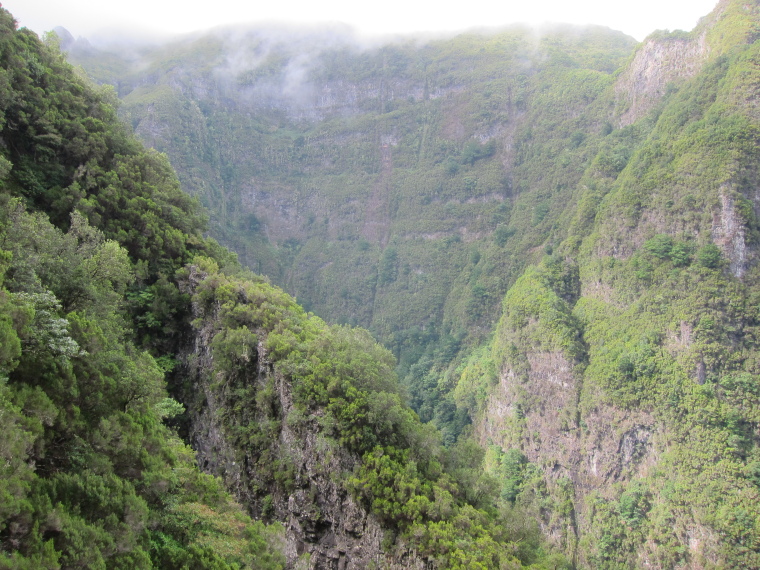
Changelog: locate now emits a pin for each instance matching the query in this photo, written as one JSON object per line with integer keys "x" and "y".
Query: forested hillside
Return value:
{"x": 555, "y": 232}
{"x": 400, "y": 187}
{"x": 125, "y": 334}
{"x": 91, "y": 476}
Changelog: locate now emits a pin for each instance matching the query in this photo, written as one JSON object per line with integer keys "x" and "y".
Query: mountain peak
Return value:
{"x": 732, "y": 23}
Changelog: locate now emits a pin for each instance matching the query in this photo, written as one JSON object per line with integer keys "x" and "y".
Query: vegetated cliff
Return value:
{"x": 305, "y": 424}
{"x": 108, "y": 286}
{"x": 624, "y": 365}
{"x": 411, "y": 178}
{"x": 290, "y": 470}
{"x": 613, "y": 209}
{"x": 90, "y": 474}
{"x": 665, "y": 59}
{"x": 659, "y": 63}
{"x": 401, "y": 187}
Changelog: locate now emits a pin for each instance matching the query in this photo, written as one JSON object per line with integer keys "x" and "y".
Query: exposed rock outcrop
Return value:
{"x": 659, "y": 62}
{"x": 728, "y": 232}
{"x": 539, "y": 414}
{"x": 295, "y": 475}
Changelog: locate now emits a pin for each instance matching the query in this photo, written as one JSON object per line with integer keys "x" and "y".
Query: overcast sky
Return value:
{"x": 85, "y": 17}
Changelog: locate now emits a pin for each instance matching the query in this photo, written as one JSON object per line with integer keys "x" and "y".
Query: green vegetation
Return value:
{"x": 108, "y": 290}
{"x": 91, "y": 474}
{"x": 653, "y": 322}
{"x": 577, "y": 294}
{"x": 383, "y": 200}
{"x": 342, "y": 386}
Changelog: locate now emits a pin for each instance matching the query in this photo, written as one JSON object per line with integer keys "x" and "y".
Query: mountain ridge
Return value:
{"x": 112, "y": 299}
{"x": 554, "y": 235}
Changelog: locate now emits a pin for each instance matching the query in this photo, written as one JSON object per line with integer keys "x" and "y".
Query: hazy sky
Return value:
{"x": 84, "y": 17}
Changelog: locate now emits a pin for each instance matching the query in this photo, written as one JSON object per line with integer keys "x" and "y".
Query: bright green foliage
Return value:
{"x": 390, "y": 190}
{"x": 68, "y": 151}
{"x": 89, "y": 475}
{"x": 341, "y": 384}
{"x": 503, "y": 192}
{"x": 93, "y": 231}
{"x": 477, "y": 378}
{"x": 83, "y": 406}
{"x": 709, "y": 256}
{"x": 537, "y": 316}
{"x": 660, "y": 246}
{"x": 512, "y": 473}
{"x": 656, "y": 313}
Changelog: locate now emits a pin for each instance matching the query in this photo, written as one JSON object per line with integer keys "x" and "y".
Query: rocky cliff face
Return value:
{"x": 318, "y": 154}
{"x": 660, "y": 62}
{"x": 290, "y": 473}
{"x": 665, "y": 60}
{"x": 407, "y": 190}
{"x": 586, "y": 449}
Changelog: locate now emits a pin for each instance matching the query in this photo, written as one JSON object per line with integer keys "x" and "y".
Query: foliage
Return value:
{"x": 481, "y": 204}
{"x": 386, "y": 197}
{"x": 338, "y": 382}
{"x": 91, "y": 477}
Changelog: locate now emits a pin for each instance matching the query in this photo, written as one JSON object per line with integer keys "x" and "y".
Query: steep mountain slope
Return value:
{"x": 306, "y": 425}
{"x": 400, "y": 187}
{"x": 556, "y": 233}
{"x": 357, "y": 163}
{"x": 90, "y": 475}
{"x": 625, "y": 365}
{"x": 108, "y": 287}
